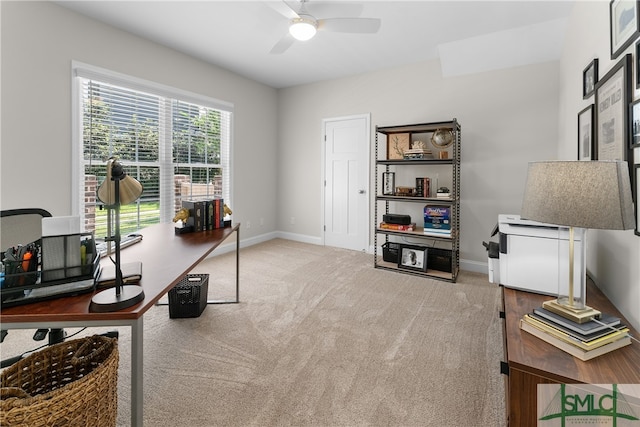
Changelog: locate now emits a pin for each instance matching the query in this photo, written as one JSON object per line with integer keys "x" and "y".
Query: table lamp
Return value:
{"x": 579, "y": 195}
{"x": 117, "y": 189}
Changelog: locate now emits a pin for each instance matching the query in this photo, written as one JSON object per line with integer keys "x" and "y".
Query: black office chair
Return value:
{"x": 21, "y": 227}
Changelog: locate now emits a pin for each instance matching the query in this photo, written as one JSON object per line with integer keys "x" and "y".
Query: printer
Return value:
{"x": 530, "y": 253}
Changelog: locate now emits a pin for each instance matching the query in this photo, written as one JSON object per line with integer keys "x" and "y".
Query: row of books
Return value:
{"x": 398, "y": 227}
{"x": 423, "y": 187}
{"x": 437, "y": 220}
{"x": 582, "y": 340}
{"x": 205, "y": 214}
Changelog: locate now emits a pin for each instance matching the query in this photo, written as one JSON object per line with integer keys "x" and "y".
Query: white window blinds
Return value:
{"x": 176, "y": 144}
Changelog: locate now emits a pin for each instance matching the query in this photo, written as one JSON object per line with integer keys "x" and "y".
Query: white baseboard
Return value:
{"x": 299, "y": 237}
{"x": 474, "y": 266}
{"x": 467, "y": 265}
{"x": 230, "y": 246}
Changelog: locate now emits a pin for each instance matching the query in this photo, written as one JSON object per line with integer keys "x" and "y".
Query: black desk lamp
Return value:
{"x": 117, "y": 189}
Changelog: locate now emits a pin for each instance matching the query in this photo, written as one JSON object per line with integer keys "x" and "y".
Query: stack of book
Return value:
{"x": 443, "y": 193}
{"x": 417, "y": 153}
{"x": 582, "y": 340}
{"x": 398, "y": 227}
{"x": 423, "y": 187}
{"x": 437, "y": 220}
{"x": 205, "y": 214}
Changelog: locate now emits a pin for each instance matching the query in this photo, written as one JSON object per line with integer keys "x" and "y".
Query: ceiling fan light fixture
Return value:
{"x": 303, "y": 28}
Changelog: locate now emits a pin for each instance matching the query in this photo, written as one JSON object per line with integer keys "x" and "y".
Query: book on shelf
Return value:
{"x": 398, "y": 227}
{"x": 438, "y": 226}
{"x": 605, "y": 322}
{"x": 437, "y": 218}
{"x": 443, "y": 195}
{"x": 423, "y": 187}
{"x": 574, "y": 350}
{"x": 436, "y": 233}
{"x": 576, "y": 339}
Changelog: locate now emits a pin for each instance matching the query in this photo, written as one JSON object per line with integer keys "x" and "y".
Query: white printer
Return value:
{"x": 530, "y": 252}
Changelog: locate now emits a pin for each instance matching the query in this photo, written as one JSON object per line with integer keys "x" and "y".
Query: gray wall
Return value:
{"x": 508, "y": 118}
{"x": 38, "y": 42}
{"x": 613, "y": 256}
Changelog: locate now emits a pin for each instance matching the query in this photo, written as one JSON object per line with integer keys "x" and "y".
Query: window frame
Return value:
{"x": 85, "y": 71}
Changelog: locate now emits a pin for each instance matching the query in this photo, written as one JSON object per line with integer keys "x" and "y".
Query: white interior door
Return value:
{"x": 346, "y": 184}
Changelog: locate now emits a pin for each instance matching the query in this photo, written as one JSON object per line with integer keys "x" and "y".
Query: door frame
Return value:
{"x": 366, "y": 157}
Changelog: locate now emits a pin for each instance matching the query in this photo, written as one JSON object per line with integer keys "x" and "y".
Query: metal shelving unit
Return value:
{"x": 438, "y": 248}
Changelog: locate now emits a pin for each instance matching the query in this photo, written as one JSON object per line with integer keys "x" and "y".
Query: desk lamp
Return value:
{"x": 117, "y": 189}
{"x": 579, "y": 195}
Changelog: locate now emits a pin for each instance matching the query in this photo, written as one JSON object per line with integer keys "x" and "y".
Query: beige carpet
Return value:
{"x": 320, "y": 338}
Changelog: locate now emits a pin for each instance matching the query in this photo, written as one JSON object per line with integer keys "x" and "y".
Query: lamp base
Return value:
{"x": 107, "y": 300}
{"x": 578, "y": 315}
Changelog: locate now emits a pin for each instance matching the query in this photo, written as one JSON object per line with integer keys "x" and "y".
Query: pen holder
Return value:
{"x": 20, "y": 266}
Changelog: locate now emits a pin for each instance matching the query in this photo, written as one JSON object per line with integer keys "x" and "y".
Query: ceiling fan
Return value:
{"x": 303, "y": 25}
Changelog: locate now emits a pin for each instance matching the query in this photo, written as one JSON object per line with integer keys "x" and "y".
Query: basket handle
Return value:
{"x": 87, "y": 354}
{"x": 9, "y": 392}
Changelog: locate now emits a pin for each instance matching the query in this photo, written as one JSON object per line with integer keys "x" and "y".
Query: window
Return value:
{"x": 175, "y": 143}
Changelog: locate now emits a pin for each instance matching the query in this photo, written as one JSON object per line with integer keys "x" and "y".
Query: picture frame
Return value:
{"x": 397, "y": 144}
{"x": 634, "y": 123}
{"x": 623, "y": 25}
{"x": 638, "y": 64}
{"x": 411, "y": 257}
{"x": 388, "y": 183}
{"x": 589, "y": 79}
{"x": 586, "y": 143}
{"x": 612, "y": 95}
{"x": 636, "y": 193}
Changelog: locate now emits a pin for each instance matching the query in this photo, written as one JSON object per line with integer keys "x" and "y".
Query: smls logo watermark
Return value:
{"x": 589, "y": 405}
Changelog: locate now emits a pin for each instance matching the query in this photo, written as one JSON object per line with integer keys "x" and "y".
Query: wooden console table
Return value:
{"x": 532, "y": 361}
{"x": 166, "y": 258}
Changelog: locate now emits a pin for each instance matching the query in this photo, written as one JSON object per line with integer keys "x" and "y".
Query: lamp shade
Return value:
{"x": 587, "y": 194}
{"x": 130, "y": 188}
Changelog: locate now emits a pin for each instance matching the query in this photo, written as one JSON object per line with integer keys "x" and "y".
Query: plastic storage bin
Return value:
{"x": 189, "y": 297}
{"x": 439, "y": 259}
{"x": 390, "y": 252}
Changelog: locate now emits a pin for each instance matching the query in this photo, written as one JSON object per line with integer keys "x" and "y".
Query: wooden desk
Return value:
{"x": 166, "y": 258}
{"x": 532, "y": 361}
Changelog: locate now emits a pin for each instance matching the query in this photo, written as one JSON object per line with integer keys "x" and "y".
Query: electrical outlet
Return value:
{"x": 261, "y": 221}
{"x": 293, "y": 220}
{"x": 248, "y": 224}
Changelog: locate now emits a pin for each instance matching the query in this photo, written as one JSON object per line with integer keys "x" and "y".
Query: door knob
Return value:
{"x": 361, "y": 191}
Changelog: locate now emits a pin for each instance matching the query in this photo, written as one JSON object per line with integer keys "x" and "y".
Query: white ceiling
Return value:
{"x": 467, "y": 36}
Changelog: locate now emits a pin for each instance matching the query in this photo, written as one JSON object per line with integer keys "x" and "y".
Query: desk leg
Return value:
{"x": 137, "y": 396}
{"x": 237, "y": 300}
{"x": 238, "y": 265}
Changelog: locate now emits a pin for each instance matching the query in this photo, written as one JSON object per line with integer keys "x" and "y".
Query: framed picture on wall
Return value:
{"x": 634, "y": 123}
{"x": 412, "y": 257}
{"x": 623, "y": 25}
{"x": 636, "y": 194}
{"x": 589, "y": 79}
{"x": 585, "y": 134}
{"x": 638, "y": 64}
{"x": 613, "y": 93}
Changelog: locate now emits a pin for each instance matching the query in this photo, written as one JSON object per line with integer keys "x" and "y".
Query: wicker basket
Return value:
{"x": 73, "y": 383}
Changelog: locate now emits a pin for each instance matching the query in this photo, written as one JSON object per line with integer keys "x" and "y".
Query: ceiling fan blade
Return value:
{"x": 283, "y": 44}
{"x": 283, "y": 8}
{"x": 326, "y": 9}
{"x": 350, "y": 25}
